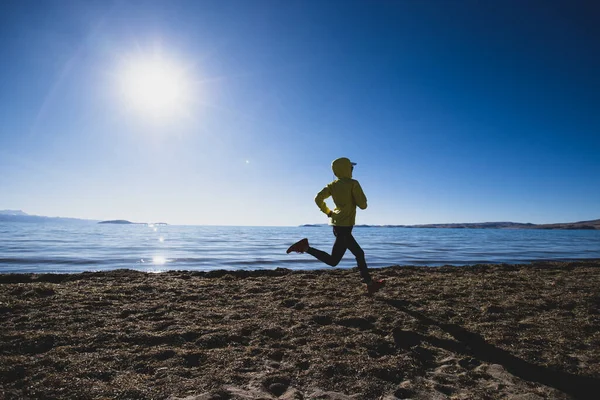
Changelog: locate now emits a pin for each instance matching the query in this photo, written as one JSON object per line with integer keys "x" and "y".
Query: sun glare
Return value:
{"x": 159, "y": 260}
{"x": 155, "y": 88}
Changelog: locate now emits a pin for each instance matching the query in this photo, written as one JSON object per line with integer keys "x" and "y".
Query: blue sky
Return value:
{"x": 456, "y": 111}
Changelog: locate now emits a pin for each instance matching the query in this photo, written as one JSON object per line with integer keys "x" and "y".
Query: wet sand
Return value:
{"x": 483, "y": 332}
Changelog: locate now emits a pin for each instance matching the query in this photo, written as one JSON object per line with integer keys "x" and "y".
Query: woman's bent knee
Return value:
{"x": 334, "y": 263}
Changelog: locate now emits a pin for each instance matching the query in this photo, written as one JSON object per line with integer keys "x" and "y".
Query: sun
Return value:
{"x": 155, "y": 87}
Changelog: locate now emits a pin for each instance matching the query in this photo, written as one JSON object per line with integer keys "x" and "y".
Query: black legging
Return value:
{"x": 343, "y": 240}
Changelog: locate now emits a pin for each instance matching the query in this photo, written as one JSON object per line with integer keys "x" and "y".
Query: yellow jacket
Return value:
{"x": 346, "y": 193}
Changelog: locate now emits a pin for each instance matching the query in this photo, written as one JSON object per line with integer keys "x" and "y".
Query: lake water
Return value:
{"x": 86, "y": 246}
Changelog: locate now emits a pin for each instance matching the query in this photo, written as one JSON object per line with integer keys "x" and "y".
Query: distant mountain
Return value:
{"x": 12, "y": 212}
{"x": 21, "y": 216}
{"x": 479, "y": 225}
{"x": 593, "y": 224}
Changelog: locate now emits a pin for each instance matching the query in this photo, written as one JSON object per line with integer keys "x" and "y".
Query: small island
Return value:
{"x": 125, "y": 222}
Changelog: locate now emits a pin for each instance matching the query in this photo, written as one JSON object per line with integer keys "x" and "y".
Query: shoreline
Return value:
{"x": 482, "y": 331}
{"x": 55, "y": 277}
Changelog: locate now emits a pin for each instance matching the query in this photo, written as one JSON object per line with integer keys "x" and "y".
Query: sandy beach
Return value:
{"x": 482, "y": 332}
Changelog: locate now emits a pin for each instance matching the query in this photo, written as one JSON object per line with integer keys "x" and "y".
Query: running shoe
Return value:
{"x": 299, "y": 247}
{"x": 374, "y": 286}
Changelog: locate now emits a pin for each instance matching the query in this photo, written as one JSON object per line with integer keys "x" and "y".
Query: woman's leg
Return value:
{"x": 339, "y": 248}
{"x": 344, "y": 240}
{"x": 358, "y": 252}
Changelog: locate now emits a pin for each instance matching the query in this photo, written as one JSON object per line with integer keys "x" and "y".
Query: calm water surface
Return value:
{"x": 85, "y": 246}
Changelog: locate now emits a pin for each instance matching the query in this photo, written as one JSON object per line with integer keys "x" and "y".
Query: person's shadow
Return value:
{"x": 472, "y": 344}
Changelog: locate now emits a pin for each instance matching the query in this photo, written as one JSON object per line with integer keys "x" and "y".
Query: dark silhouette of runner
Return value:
{"x": 347, "y": 194}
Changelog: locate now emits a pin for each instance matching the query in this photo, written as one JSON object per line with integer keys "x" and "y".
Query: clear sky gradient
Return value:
{"x": 455, "y": 111}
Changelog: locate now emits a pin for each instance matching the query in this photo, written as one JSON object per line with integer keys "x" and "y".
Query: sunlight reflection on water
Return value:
{"x": 159, "y": 260}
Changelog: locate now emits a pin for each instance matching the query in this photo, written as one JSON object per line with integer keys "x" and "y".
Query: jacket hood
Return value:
{"x": 342, "y": 168}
